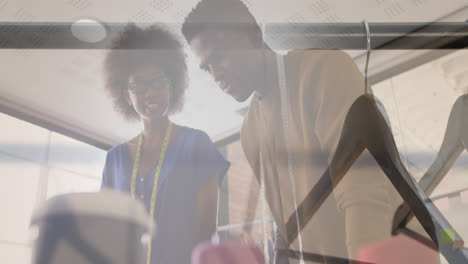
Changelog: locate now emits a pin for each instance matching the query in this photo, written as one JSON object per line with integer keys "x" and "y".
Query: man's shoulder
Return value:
{"x": 315, "y": 54}
{"x": 314, "y": 59}
{"x": 309, "y": 66}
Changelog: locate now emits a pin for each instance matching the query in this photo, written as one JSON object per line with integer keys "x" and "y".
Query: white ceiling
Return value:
{"x": 65, "y": 87}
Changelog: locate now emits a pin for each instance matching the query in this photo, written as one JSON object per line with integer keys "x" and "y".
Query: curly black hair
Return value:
{"x": 218, "y": 14}
{"x": 136, "y": 48}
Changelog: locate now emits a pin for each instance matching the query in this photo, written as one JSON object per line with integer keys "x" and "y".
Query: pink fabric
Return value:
{"x": 227, "y": 252}
{"x": 400, "y": 249}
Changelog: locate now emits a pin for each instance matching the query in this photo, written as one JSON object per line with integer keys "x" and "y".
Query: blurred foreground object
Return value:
{"x": 400, "y": 249}
{"x": 232, "y": 252}
{"x": 91, "y": 228}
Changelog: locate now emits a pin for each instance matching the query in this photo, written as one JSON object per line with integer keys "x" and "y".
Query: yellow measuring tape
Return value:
{"x": 162, "y": 155}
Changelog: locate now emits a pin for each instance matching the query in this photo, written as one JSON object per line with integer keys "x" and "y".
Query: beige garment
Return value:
{"x": 321, "y": 86}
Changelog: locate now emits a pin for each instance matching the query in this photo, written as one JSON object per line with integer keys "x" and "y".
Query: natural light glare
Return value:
{"x": 206, "y": 106}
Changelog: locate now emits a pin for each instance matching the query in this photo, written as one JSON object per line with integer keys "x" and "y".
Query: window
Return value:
{"x": 36, "y": 164}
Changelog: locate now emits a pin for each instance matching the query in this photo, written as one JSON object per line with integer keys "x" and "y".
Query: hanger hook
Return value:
{"x": 368, "y": 54}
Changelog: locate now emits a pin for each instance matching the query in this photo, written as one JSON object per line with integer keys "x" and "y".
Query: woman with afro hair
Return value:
{"x": 174, "y": 170}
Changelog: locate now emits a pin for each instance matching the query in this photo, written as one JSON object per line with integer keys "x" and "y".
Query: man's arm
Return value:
{"x": 207, "y": 201}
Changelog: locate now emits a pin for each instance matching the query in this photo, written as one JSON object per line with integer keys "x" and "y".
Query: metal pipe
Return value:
{"x": 437, "y": 35}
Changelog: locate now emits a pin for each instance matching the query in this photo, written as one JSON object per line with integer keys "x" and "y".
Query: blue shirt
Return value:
{"x": 191, "y": 161}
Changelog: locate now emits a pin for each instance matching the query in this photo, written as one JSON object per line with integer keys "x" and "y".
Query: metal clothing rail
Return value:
{"x": 349, "y": 36}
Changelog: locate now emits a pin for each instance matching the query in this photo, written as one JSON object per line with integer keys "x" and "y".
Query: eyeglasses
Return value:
{"x": 141, "y": 86}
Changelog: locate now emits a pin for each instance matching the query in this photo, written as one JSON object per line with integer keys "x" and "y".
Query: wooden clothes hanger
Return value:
{"x": 366, "y": 128}
{"x": 455, "y": 141}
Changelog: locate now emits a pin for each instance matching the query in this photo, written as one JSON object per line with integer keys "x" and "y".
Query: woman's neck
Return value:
{"x": 154, "y": 130}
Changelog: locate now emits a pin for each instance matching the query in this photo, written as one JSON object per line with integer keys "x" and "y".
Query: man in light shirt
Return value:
{"x": 320, "y": 87}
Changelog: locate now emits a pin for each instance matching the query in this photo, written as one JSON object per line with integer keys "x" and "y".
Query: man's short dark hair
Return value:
{"x": 136, "y": 48}
{"x": 217, "y": 14}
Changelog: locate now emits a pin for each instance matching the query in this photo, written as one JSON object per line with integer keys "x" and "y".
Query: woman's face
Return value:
{"x": 149, "y": 92}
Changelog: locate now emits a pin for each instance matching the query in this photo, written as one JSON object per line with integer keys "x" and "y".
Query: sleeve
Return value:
{"x": 337, "y": 85}
{"x": 107, "y": 175}
{"x": 209, "y": 161}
